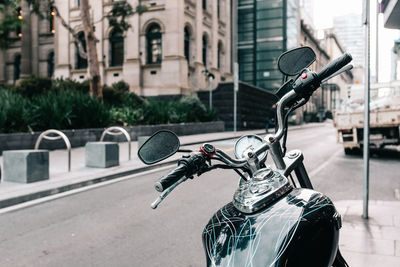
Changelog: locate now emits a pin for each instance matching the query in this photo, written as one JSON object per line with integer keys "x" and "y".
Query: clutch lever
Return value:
{"x": 164, "y": 194}
{"x": 345, "y": 68}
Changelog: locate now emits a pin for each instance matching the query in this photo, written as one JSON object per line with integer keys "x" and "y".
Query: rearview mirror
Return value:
{"x": 158, "y": 147}
{"x": 292, "y": 62}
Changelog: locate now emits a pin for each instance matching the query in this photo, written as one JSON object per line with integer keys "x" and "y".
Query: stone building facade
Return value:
{"x": 165, "y": 52}
{"x": 32, "y": 49}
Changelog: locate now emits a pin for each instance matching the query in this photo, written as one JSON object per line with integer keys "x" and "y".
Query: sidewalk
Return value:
{"x": 373, "y": 242}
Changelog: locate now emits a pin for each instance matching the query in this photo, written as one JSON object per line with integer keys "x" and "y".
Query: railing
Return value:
{"x": 115, "y": 130}
{"x": 46, "y": 135}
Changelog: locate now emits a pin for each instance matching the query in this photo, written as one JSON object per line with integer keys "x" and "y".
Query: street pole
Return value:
{"x": 235, "y": 90}
{"x": 234, "y": 59}
{"x": 211, "y": 78}
{"x": 366, "y": 22}
{"x": 377, "y": 42}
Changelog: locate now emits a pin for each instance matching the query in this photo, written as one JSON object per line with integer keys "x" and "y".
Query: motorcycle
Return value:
{"x": 272, "y": 220}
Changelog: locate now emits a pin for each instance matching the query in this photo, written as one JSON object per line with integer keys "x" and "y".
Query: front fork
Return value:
{"x": 294, "y": 162}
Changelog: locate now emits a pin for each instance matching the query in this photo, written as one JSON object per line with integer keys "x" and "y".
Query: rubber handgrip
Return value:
{"x": 171, "y": 178}
{"x": 334, "y": 66}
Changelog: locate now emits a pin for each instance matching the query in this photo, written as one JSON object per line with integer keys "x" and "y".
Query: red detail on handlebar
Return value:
{"x": 304, "y": 76}
{"x": 210, "y": 155}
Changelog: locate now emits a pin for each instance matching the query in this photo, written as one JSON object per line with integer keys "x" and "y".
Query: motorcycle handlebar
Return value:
{"x": 334, "y": 66}
{"x": 171, "y": 178}
{"x": 305, "y": 86}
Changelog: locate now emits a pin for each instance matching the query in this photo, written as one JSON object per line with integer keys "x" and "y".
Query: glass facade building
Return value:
{"x": 266, "y": 28}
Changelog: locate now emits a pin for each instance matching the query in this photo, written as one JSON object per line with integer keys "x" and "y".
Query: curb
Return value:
{"x": 64, "y": 188}
{"x": 61, "y": 189}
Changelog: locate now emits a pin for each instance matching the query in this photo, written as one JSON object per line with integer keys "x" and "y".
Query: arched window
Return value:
{"x": 116, "y": 48}
{"x": 220, "y": 56}
{"x": 50, "y": 65}
{"x": 204, "y": 50}
{"x": 17, "y": 67}
{"x": 154, "y": 44}
{"x": 81, "y": 63}
{"x": 187, "y": 44}
{"x": 204, "y": 4}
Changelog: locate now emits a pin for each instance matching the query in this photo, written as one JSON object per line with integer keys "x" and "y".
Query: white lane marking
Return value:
{"x": 76, "y": 191}
{"x": 326, "y": 163}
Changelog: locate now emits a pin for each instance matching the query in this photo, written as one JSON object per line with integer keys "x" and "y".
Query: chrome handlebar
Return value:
{"x": 235, "y": 163}
{"x": 271, "y": 142}
{"x": 279, "y": 112}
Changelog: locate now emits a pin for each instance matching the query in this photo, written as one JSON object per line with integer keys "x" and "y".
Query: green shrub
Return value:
{"x": 121, "y": 87}
{"x": 33, "y": 86}
{"x": 118, "y": 95}
{"x": 186, "y": 109}
{"x": 132, "y": 100}
{"x": 13, "y": 112}
{"x": 61, "y": 84}
{"x": 126, "y": 116}
{"x": 156, "y": 111}
{"x": 192, "y": 110}
{"x": 88, "y": 112}
{"x": 42, "y": 104}
{"x": 68, "y": 110}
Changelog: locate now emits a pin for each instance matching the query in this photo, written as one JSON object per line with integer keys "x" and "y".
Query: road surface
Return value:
{"x": 113, "y": 225}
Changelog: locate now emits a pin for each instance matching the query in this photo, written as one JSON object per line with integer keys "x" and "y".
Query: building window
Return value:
{"x": 218, "y": 9}
{"x": 17, "y": 67}
{"x": 220, "y": 51}
{"x": 78, "y": 3}
{"x": 51, "y": 20}
{"x": 81, "y": 63}
{"x": 187, "y": 44}
{"x": 18, "y": 31}
{"x": 154, "y": 44}
{"x": 205, "y": 51}
{"x": 204, "y": 4}
{"x": 50, "y": 65}
{"x": 116, "y": 48}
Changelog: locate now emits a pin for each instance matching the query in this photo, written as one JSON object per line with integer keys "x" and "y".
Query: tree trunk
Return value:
{"x": 93, "y": 63}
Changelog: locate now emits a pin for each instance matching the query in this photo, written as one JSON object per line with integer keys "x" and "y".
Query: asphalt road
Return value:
{"x": 113, "y": 225}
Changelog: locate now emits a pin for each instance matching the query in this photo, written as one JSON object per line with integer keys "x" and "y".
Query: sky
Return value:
{"x": 325, "y": 10}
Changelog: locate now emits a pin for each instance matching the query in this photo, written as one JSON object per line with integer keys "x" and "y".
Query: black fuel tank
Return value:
{"x": 300, "y": 229}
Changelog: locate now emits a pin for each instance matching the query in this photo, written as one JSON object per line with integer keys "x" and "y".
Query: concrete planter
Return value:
{"x": 80, "y": 137}
{"x": 102, "y": 154}
{"x": 26, "y": 166}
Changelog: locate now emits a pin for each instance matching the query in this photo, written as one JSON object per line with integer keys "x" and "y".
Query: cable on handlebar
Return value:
{"x": 285, "y": 131}
{"x": 297, "y": 105}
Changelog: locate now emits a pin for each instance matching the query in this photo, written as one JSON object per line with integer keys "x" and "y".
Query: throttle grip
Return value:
{"x": 334, "y": 66}
{"x": 171, "y": 178}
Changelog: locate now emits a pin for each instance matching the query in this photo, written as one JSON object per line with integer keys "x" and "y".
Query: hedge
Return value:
{"x": 37, "y": 104}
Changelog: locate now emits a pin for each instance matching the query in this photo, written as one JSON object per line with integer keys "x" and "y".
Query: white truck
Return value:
{"x": 384, "y": 117}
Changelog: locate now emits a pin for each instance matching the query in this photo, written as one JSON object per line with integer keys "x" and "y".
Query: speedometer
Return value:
{"x": 247, "y": 142}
